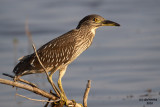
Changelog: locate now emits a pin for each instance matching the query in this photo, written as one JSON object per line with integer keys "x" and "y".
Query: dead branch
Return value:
{"x": 34, "y": 48}
{"x": 19, "y": 79}
{"x": 39, "y": 92}
{"x": 36, "y": 99}
{"x": 29, "y": 88}
{"x": 85, "y": 97}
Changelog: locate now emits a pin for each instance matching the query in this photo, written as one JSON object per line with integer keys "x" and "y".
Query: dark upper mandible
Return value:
{"x": 95, "y": 20}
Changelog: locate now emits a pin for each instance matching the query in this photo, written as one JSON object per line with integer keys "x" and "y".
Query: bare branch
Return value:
{"x": 85, "y": 97}
{"x": 46, "y": 72}
{"x": 29, "y": 88}
{"x": 46, "y": 105}
{"x": 21, "y": 80}
{"x": 36, "y": 99}
{"x": 39, "y": 92}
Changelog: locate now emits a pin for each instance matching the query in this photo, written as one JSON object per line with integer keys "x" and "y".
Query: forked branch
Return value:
{"x": 46, "y": 94}
{"x": 34, "y": 48}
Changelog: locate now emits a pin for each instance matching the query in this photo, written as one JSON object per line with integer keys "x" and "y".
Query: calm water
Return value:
{"x": 122, "y": 61}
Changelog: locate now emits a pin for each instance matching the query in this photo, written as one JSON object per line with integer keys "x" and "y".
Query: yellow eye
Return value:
{"x": 95, "y": 19}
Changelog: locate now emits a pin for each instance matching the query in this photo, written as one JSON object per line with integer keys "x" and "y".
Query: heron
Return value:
{"x": 58, "y": 53}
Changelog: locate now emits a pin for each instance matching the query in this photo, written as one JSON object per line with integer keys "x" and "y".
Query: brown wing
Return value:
{"x": 53, "y": 54}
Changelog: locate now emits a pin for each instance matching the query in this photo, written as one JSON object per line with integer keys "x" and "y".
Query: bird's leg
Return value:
{"x": 61, "y": 74}
{"x": 52, "y": 83}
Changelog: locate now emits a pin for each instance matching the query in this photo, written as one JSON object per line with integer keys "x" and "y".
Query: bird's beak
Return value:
{"x": 109, "y": 23}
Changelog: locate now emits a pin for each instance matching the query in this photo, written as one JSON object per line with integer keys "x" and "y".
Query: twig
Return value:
{"x": 36, "y": 99}
{"x": 19, "y": 79}
{"x": 30, "y": 39}
{"x": 85, "y": 97}
{"x": 46, "y": 105}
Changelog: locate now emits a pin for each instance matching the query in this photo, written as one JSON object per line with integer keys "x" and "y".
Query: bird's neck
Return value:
{"x": 87, "y": 33}
{"x": 88, "y": 29}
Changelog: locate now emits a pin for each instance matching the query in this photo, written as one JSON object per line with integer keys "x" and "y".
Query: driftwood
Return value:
{"x": 53, "y": 98}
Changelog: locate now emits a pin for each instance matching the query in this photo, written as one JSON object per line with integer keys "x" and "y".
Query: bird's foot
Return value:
{"x": 63, "y": 98}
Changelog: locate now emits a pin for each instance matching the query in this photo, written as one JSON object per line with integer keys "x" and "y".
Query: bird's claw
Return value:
{"x": 63, "y": 98}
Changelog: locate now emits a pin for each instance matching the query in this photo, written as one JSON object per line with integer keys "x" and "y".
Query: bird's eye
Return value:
{"x": 95, "y": 19}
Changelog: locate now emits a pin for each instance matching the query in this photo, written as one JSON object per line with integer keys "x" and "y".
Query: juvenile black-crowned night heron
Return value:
{"x": 61, "y": 51}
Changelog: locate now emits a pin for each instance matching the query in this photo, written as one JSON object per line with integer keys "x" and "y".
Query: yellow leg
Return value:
{"x": 52, "y": 83}
{"x": 61, "y": 74}
{"x": 54, "y": 86}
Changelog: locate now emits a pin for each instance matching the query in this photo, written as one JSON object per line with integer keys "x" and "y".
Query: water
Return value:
{"x": 122, "y": 61}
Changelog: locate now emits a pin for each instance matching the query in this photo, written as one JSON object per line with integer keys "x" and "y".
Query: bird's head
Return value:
{"x": 95, "y": 21}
